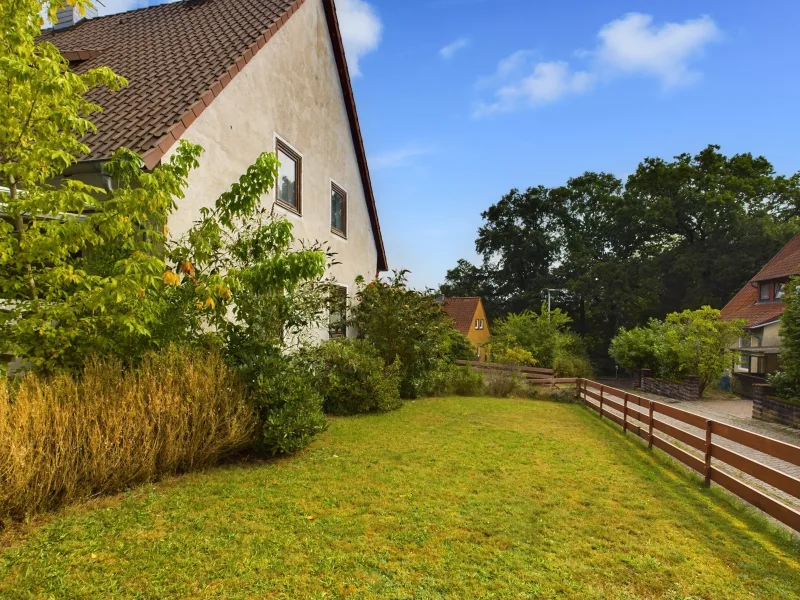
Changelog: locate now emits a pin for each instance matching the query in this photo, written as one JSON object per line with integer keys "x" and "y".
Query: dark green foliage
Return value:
{"x": 678, "y": 234}
{"x": 465, "y": 381}
{"x": 787, "y": 381}
{"x": 458, "y": 346}
{"x": 408, "y": 326}
{"x": 289, "y": 405}
{"x": 352, "y": 378}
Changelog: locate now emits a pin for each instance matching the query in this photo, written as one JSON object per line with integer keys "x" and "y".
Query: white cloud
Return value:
{"x": 628, "y": 46}
{"x": 450, "y": 50}
{"x": 361, "y": 31}
{"x": 548, "y": 82}
{"x": 400, "y": 157}
{"x": 633, "y": 44}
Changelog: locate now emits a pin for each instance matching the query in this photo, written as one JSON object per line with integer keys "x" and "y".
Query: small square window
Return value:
{"x": 764, "y": 292}
{"x": 288, "y": 188}
{"x": 338, "y": 210}
{"x": 337, "y": 312}
{"x": 779, "y": 292}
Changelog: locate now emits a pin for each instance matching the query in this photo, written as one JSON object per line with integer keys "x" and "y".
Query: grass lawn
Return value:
{"x": 447, "y": 498}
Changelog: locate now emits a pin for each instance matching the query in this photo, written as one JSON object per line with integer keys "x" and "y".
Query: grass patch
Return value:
{"x": 447, "y": 498}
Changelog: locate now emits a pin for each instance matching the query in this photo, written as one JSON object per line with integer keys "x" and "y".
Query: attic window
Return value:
{"x": 763, "y": 294}
{"x": 480, "y": 324}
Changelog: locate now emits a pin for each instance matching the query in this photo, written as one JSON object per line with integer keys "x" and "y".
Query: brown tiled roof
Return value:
{"x": 784, "y": 263}
{"x": 746, "y": 305}
{"x": 177, "y": 58}
{"x": 461, "y": 310}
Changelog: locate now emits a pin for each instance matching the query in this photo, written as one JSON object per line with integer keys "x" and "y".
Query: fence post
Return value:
{"x": 601, "y": 401}
{"x": 578, "y": 388}
{"x": 650, "y": 427}
{"x": 625, "y": 414}
{"x": 709, "y": 424}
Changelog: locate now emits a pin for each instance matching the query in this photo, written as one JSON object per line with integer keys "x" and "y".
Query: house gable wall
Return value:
{"x": 290, "y": 89}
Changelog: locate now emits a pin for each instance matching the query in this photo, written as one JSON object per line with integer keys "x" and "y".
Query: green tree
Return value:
{"x": 787, "y": 380}
{"x": 405, "y": 326}
{"x": 688, "y": 343}
{"x": 543, "y": 338}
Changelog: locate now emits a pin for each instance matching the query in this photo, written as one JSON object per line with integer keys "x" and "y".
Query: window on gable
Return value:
{"x": 337, "y": 312}
{"x": 338, "y": 210}
{"x": 779, "y": 292}
{"x": 764, "y": 292}
{"x": 289, "y": 186}
{"x": 479, "y": 323}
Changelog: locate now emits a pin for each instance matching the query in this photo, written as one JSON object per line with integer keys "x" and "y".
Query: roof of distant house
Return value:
{"x": 177, "y": 58}
{"x": 461, "y": 310}
{"x": 746, "y": 304}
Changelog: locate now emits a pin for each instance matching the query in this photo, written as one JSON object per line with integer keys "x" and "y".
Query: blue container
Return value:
{"x": 725, "y": 383}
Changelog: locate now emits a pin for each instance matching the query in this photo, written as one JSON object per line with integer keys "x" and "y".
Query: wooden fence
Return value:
{"x": 533, "y": 375}
{"x": 641, "y": 417}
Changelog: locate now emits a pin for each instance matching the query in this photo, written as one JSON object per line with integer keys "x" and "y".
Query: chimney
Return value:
{"x": 69, "y": 16}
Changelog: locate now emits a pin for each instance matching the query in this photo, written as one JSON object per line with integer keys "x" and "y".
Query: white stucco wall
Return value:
{"x": 291, "y": 89}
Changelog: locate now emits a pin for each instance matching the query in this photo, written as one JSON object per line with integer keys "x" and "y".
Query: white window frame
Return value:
{"x": 344, "y": 316}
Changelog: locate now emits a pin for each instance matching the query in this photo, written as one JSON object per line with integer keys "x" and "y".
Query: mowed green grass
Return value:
{"x": 446, "y": 498}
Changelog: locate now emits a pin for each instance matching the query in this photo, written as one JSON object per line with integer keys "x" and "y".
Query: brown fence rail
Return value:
{"x": 641, "y": 417}
{"x": 533, "y": 375}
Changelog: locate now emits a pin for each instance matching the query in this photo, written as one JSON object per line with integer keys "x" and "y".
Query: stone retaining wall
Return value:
{"x": 688, "y": 389}
{"x": 772, "y": 410}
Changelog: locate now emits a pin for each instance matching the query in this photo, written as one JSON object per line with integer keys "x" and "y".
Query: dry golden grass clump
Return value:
{"x": 65, "y": 438}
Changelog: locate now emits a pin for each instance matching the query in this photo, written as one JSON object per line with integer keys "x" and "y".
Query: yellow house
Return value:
{"x": 469, "y": 318}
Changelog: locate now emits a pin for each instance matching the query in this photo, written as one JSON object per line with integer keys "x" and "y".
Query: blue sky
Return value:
{"x": 461, "y": 100}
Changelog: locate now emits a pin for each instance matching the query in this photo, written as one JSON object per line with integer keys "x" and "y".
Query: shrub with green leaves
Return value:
{"x": 689, "y": 343}
{"x": 465, "y": 381}
{"x": 542, "y": 339}
{"x": 408, "y": 326}
{"x": 353, "y": 379}
{"x": 288, "y": 403}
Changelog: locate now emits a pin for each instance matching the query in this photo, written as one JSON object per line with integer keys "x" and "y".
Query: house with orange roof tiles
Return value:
{"x": 760, "y": 303}
{"x": 469, "y": 318}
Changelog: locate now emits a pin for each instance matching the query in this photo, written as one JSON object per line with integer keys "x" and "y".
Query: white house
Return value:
{"x": 238, "y": 77}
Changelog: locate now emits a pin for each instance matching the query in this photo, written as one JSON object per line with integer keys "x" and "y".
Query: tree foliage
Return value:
{"x": 678, "y": 234}
{"x": 408, "y": 327}
{"x": 787, "y": 380}
{"x": 687, "y": 343}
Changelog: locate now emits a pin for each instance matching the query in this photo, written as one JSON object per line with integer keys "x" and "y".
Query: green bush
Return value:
{"x": 352, "y": 378}
{"x": 465, "y": 381}
{"x": 567, "y": 364}
{"x": 409, "y": 326}
{"x": 289, "y": 405}
{"x": 504, "y": 384}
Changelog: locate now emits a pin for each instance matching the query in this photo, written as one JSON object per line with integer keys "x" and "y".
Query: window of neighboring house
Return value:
{"x": 478, "y": 352}
{"x": 338, "y": 210}
{"x": 764, "y": 292}
{"x": 479, "y": 323}
{"x": 779, "y": 291}
{"x": 289, "y": 187}
{"x": 337, "y": 312}
{"x": 744, "y": 362}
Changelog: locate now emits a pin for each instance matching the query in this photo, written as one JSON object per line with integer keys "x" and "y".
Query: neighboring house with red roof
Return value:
{"x": 469, "y": 318}
{"x": 238, "y": 77}
{"x": 760, "y": 303}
